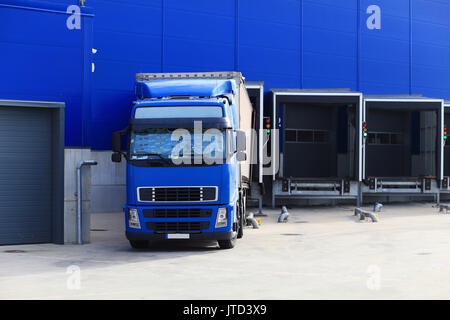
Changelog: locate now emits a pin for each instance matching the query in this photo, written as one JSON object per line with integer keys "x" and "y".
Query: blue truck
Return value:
{"x": 188, "y": 157}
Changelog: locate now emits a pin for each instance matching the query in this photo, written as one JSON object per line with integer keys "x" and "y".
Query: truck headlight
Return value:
{"x": 133, "y": 219}
{"x": 222, "y": 219}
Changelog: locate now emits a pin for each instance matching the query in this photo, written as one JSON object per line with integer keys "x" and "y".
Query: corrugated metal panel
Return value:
{"x": 41, "y": 59}
{"x": 430, "y": 47}
{"x": 25, "y": 175}
{"x": 384, "y": 53}
{"x": 286, "y": 43}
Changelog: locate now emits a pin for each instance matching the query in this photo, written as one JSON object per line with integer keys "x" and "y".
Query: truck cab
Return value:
{"x": 185, "y": 144}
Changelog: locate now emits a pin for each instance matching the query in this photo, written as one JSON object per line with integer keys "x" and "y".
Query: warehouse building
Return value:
{"x": 70, "y": 66}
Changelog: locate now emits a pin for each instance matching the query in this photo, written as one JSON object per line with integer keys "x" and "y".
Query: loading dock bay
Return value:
{"x": 403, "y": 151}
{"x": 445, "y": 187}
{"x": 319, "y": 135}
{"x": 255, "y": 90}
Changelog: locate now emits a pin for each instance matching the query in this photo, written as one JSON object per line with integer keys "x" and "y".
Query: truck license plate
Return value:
{"x": 178, "y": 236}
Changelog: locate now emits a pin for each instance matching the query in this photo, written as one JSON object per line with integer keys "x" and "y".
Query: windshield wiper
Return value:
{"x": 148, "y": 155}
{"x": 151, "y": 155}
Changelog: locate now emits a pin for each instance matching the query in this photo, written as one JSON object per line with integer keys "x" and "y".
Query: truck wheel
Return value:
{"x": 139, "y": 244}
{"x": 227, "y": 244}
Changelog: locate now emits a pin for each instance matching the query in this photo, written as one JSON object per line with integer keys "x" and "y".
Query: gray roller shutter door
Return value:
{"x": 25, "y": 175}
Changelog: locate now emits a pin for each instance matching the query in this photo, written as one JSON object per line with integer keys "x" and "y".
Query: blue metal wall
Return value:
{"x": 41, "y": 59}
{"x": 286, "y": 43}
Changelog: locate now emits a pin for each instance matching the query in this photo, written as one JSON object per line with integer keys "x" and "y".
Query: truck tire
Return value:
{"x": 139, "y": 244}
{"x": 227, "y": 244}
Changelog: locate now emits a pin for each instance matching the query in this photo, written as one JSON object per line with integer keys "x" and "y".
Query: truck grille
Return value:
{"x": 179, "y": 226}
{"x": 177, "y": 194}
{"x": 177, "y": 213}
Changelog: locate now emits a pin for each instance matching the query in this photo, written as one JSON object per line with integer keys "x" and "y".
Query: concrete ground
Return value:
{"x": 321, "y": 253}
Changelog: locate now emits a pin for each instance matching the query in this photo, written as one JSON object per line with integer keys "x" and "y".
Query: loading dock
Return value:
{"x": 31, "y": 172}
{"x": 255, "y": 90}
{"x": 319, "y": 136}
{"x": 445, "y": 188}
{"x": 403, "y": 146}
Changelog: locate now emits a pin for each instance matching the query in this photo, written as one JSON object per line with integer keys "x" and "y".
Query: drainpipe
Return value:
{"x": 79, "y": 197}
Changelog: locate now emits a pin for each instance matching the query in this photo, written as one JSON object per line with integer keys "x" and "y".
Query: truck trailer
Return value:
{"x": 188, "y": 152}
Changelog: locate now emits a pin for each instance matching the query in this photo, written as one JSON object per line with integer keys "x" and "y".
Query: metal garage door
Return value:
{"x": 25, "y": 175}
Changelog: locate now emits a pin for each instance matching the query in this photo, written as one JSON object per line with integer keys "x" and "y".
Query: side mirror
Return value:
{"x": 116, "y": 157}
{"x": 241, "y": 141}
{"x": 117, "y": 142}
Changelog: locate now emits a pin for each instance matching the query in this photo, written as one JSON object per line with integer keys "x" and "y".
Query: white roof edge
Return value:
{"x": 315, "y": 93}
{"x": 25, "y": 103}
{"x": 189, "y": 75}
{"x": 254, "y": 85}
{"x": 404, "y": 100}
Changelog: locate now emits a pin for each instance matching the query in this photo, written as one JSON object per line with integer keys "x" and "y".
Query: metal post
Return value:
{"x": 359, "y": 196}
{"x": 79, "y": 197}
{"x": 260, "y": 200}
{"x": 273, "y": 197}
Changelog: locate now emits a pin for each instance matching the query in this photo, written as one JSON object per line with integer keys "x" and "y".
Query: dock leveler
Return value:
{"x": 319, "y": 132}
{"x": 403, "y": 146}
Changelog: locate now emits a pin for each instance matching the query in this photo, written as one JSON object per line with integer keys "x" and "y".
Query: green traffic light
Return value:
{"x": 268, "y": 130}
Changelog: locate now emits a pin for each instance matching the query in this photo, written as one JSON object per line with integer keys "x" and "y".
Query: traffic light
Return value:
{"x": 445, "y": 133}
{"x": 364, "y": 129}
{"x": 267, "y": 125}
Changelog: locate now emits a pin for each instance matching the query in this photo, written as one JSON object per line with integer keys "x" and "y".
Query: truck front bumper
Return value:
{"x": 225, "y": 235}
{"x": 199, "y": 226}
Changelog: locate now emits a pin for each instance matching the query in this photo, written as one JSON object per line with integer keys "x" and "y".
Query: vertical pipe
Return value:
{"x": 79, "y": 206}
{"x": 80, "y": 198}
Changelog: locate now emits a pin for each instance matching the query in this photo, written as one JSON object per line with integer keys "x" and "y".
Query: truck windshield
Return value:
{"x": 180, "y": 146}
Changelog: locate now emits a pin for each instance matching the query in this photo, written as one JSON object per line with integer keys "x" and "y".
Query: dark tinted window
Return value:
{"x": 372, "y": 138}
{"x": 384, "y": 138}
{"x": 291, "y": 135}
{"x": 320, "y": 136}
{"x": 396, "y": 138}
{"x": 304, "y": 136}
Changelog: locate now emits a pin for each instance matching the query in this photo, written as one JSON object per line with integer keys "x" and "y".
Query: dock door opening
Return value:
{"x": 319, "y": 143}
{"x": 447, "y": 143}
{"x": 319, "y": 134}
{"x": 319, "y": 140}
{"x": 404, "y": 144}
{"x": 403, "y": 139}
